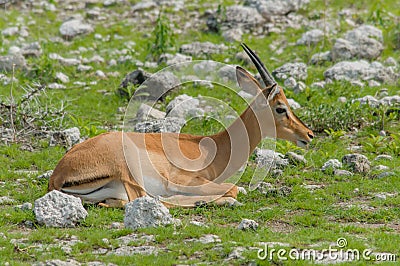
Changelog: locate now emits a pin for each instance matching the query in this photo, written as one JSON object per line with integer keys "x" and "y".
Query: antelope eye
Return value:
{"x": 280, "y": 110}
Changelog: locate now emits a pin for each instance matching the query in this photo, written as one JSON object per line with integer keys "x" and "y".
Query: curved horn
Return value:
{"x": 264, "y": 73}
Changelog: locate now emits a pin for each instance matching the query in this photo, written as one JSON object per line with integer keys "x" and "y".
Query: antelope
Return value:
{"x": 179, "y": 169}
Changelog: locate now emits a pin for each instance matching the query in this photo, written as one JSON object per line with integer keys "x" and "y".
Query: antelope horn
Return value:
{"x": 264, "y": 73}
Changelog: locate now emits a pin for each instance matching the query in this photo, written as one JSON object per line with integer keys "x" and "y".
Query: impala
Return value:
{"x": 180, "y": 169}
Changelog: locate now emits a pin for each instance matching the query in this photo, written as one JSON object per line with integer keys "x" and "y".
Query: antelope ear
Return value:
{"x": 247, "y": 82}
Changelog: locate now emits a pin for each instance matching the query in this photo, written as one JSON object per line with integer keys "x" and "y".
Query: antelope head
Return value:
{"x": 288, "y": 125}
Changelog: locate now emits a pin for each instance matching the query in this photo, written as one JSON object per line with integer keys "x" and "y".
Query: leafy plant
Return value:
{"x": 334, "y": 135}
{"x": 163, "y": 36}
{"x": 87, "y": 129}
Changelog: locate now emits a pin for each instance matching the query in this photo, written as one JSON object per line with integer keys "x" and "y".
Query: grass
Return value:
{"x": 342, "y": 207}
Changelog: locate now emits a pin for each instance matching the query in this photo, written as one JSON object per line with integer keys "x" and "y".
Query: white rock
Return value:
{"x": 247, "y": 224}
{"x": 62, "y": 77}
{"x": 74, "y": 27}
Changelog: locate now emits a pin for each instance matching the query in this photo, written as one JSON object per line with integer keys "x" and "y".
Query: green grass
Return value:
{"x": 343, "y": 207}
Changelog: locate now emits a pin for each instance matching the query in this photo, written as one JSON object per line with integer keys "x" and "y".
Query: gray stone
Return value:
{"x": 368, "y": 99}
{"x": 242, "y": 17}
{"x": 269, "y": 159}
{"x": 380, "y": 167}
{"x": 311, "y": 37}
{"x": 4, "y": 200}
{"x": 340, "y": 172}
{"x": 56, "y": 86}
{"x": 146, "y": 112}
{"x": 296, "y": 70}
{"x": 134, "y": 78}
{"x": 321, "y": 58}
{"x": 295, "y": 158}
{"x": 184, "y": 106}
{"x": 300, "y": 87}
{"x": 31, "y": 50}
{"x": 26, "y": 206}
{"x": 170, "y": 59}
{"x": 73, "y": 28}
{"x": 318, "y": 84}
{"x": 356, "y": 70}
{"x": 45, "y": 175}
{"x": 383, "y": 157}
{"x": 169, "y": 124}
{"x": 364, "y": 42}
{"x": 205, "y": 67}
{"x": 146, "y": 212}
{"x": 227, "y": 73}
{"x": 68, "y": 262}
{"x": 390, "y": 100}
{"x": 202, "y": 49}
{"x": 133, "y": 250}
{"x": 247, "y": 224}
{"x": 9, "y": 62}
{"x": 233, "y": 35}
{"x": 236, "y": 254}
{"x": 357, "y": 162}
{"x": 385, "y": 174}
{"x": 293, "y": 104}
{"x": 62, "y": 77}
{"x": 283, "y": 191}
{"x": 331, "y": 164}
{"x": 270, "y": 8}
{"x": 56, "y": 209}
{"x": 84, "y": 68}
{"x": 390, "y": 61}
{"x": 67, "y": 138}
{"x": 290, "y": 83}
{"x": 157, "y": 85}
{"x": 10, "y": 31}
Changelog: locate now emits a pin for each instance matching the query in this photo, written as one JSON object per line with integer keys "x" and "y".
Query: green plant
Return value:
{"x": 163, "y": 37}
{"x": 334, "y": 135}
{"x": 87, "y": 129}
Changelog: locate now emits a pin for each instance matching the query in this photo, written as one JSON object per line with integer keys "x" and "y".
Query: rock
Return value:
{"x": 373, "y": 102}
{"x": 263, "y": 187}
{"x": 247, "y": 224}
{"x": 62, "y": 77}
{"x": 205, "y": 67}
{"x": 311, "y": 37}
{"x": 84, "y": 68}
{"x": 10, "y": 31}
{"x": 207, "y": 239}
{"x": 242, "y": 17}
{"x": 133, "y": 250}
{"x": 236, "y": 254}
{"x": 300, "y": 87}
{"x": 227, "y": 73}
{"x": 283, "y": 191}
{"x": 293, "y": 104}
{"x": 357, "y": 162}
{"x": 364, "y": 42}
{"x": 136, "y": 77}
{"x": 290, "y": 83}
{"x": 245, "y": 95}
{"x": 170, "y": 59}
{"x": 157, "y": 85}
{"x": 318, "y": 84}
{"x": 68, "y": 262}
{"x": 73, "y": 28}
{"x": 9, "y": 62}
{"x": 146, "y": 112}
{"x": 233, "y": 35}
{"x": 380, "y": 167}
{"x": 67, "y": 138}
{"x": 355, "y": 70}
{"x": 146, "y": 212}
{"x": 56, "y": 209}
{"x": 296, "y": 70}
{"x": 383, "y": 157}
{"x": 143, "y": 5}
{"x": 56, "y": 86}
{"x": 202, "y": 49}
{"x": 385, "y": 174}
{"x": 4, "y": 200}
{"x": 390, "y": 61}
{"x": 340, "y": 172}
{"x": 331, "y": 164}
{"x": 31, "y": 50}
{"x": 321, "y": 58}
{"x": 270, "y": 8}
{"x": 45, "y": 175}
{"x": 390, "y": 100}
{"x": 269, "y": 159}
{"x": 368, "y": 99}
{"x": 169, "y": 124}
{"x": 380, "y": 196}
{"x": 184, "y": 106}
{"x": 295, "y": 158}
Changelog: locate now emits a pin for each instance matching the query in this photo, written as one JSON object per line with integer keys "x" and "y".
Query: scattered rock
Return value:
{"x": 290, "y": 83}
{"x": 364, "y": 42}
{"x": 45, "y": 175}
{"x": 373, "y": 102}
{"x": 205, "y": 239}
{"x": 263, "y": 187}
{"x": 68, "y": 262}
{"x": 270, "y": 159}
{"x": 236, "y": 253}
{"x": 157, "y": 85}
{"x": 67, "y": 138}
{"x": 184, "y": 106}
{"x": 9, "y": 62}
{"x": 146, "y": 112}
{"x": 331, "y": 164}
{"x": 233, "y": 35}
{"x": 133, "y": 250}
{"x": 136, "y": 77}
{"x": 197, "y": 223}
{"x": 247, "y": 224}
{"x": 311, "y": 37}
{"x": 56, "y": 86}
{"x": 296, "y": 70}
{"x": 293, "y": 104}
{"x": 321, "y": 58}
{"x": 62, "y": 77}
{"x": 340, "y": 172}
{"x": 271, "y": 8}
{"x": 31, "y": 50}
{"x": 283, "y": 191}
{"x": 169, "y": 124}
{"x": 380, "y": 167}
{"x": 385, "y": 174}
{"x": 170, "y": 59}
{"x": 227, "y": 73}
{"x": 242, "y": 17}
{"x": 383, "y": 157}
{"x": 295, "y": 158}
{"x": 56, "y": 209}
{"x": 356, "y": 70}
{"x": 10, "y": 31}
{"x": 146, "y": 212}
{"x": 73, "y": 28}
{"x": 4, "y": 200}
{"x": 357, "y": 162}
{"x": 202, "y": 49}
